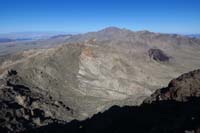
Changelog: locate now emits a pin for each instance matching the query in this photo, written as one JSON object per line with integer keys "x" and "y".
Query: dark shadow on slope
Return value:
{"x": 158, "y": 117}
{"x": 158, "y": 55}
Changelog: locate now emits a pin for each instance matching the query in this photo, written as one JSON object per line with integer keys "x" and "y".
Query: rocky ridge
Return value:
{"x": 22, "y": 108}
{"x": 179, "y": 89}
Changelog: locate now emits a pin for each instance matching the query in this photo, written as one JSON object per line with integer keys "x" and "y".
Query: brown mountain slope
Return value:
{"x": 160, "y": 116}
{"x": 109, "y": 67}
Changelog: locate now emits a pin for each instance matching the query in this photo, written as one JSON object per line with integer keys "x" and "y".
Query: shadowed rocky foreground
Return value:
{"x": 158, "y": 117}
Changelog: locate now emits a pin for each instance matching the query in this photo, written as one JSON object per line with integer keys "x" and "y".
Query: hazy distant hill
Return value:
{"x": 61, "y": 36}
{"x": 194, "y": 35}
{"x": 3, "y": 40}
{"x": 30, "y": 35}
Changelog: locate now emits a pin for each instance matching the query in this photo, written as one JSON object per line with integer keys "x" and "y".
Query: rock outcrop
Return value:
{"x": 22, "y": 108}
{"x": 179, "y": 89}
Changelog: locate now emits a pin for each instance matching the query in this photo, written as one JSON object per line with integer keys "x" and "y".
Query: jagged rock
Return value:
{"x": 179, "y": 89}
{"x": 22, "y": 108}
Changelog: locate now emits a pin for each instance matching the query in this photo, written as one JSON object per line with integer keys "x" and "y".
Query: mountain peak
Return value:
{"x": 144, "y": 32}
{"x": 111, "y": 29}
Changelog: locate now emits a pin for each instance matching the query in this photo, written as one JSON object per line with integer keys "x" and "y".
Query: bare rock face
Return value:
{"x": 179, "y": 89}
{"x": 22, "y": 108}
{"x": 158, "y": 55}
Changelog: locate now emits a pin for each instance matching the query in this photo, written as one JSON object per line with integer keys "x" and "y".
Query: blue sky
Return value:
{"x": 170, "y": 16}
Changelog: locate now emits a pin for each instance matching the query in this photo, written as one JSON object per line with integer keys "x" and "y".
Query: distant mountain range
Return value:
{"x": 29, "y": 35}
{"x": 6, "y": 40}
{"x": 22, "y": 36}
{"x": 194, "y": 35}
